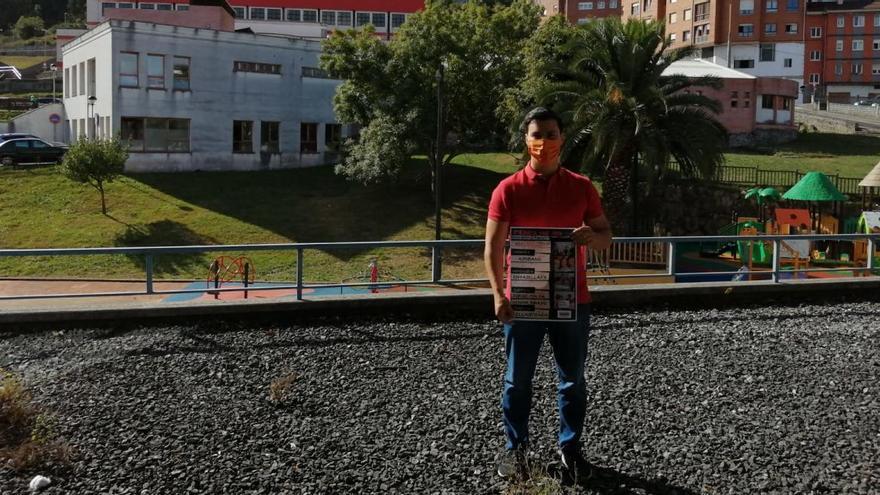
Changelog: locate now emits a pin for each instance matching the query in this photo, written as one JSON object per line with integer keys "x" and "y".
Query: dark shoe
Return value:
{"x": 514, "y": 463}
{"x": 574, "y": 463}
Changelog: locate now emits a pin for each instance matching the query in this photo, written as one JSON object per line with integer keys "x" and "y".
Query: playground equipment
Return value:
{"x": 225, "y": 269}
{"x": 868, "y": 223}
{"x": 379, "y": 278}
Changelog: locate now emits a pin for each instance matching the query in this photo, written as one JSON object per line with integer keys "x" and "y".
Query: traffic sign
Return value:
{"x": 54, "y": 118}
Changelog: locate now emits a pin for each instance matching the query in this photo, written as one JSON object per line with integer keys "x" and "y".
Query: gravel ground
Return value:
{"x": 758, "y": 399}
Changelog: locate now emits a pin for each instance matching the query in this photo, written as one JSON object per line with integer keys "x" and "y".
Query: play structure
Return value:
{"x": 228, "y": 269}
{"x": 752, "y": 259}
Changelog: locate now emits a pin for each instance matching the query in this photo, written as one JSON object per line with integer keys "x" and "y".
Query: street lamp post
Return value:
{"x": 438, "y": 161}
{"x": 90, "y": 132}
{"x": 54, "y": 69}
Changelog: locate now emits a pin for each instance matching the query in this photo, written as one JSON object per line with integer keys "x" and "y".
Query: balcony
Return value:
{"x": 703, "y": 38}
{"x": 701, "y": 17}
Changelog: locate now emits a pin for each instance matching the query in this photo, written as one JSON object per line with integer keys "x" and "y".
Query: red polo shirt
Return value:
{"x": 563, "y": 200}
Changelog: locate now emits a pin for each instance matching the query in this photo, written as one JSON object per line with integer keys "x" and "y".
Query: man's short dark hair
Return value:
{"x": 541, "y": 114}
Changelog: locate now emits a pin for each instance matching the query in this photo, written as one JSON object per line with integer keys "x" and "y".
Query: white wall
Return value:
{"x": 37, "y": 122}
{"x": 218, "y": 95}
{"x": 783, "y": 116}
{"x": 794, "y": 51}
{"x": 763, "y": 115}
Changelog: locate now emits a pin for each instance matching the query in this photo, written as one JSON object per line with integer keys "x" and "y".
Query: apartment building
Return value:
{"x": 763, "y": 38}
{"x": 843, "y": 50}
{"x": 301, "y": 18}
{"x": 581, "y": 12}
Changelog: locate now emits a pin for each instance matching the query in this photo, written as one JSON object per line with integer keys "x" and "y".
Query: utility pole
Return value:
{"x": 438, "y": 168}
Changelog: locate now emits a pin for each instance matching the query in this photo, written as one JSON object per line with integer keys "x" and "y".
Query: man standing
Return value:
{"x": 543, "y": 194}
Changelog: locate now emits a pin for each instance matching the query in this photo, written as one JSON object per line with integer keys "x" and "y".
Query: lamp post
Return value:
{"x": 54, "y": 69}
{"x": 438, "y": 161}
{"x": 90, "y": 132}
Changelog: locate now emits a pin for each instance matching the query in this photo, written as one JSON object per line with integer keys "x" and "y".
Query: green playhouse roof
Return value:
{"x": 815, "y": 186}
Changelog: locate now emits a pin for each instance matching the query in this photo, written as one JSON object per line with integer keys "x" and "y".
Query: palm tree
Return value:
{"x": 625, "y": 118}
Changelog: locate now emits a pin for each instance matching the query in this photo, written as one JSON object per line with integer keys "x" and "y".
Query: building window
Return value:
{"x": 147, "y": 6}
{"x": 876, "y": 20}
{"x": 583, "y": 20}
{"x": 294, "y": 15}
{"x": 315, "y": 72}
{"x": 378, "y": 20}
{"x": 181, "y": 73}
{"x": 73, "y": 91}
{"x": 701, "y": 11}
{"x": 791, "y": 29}
{"x": 814, "y": 78}
{"x": 600, "y": 4}
{"x": 585, "y": 5}
{"x": 734, "y": 103}
{"x": 770, "y": 29}
{"x": 838, "y": 45}
{"x": 343, "y": 18}
{"x": 362, "y": 19}
{"x": 767, "y": 102}
{"x": 858, "y": 45}
{"x": 333, "y": 136}
{"x": 768, "y": 52}
{"x": 269, "y": 137}
{"x": 328, "y": 17}
{"x": 875, "y": 45}
{"x": 156, "y": 71}
{"x": 875, "y": 69}
{"x": 128, "y": 70}
{"x": 105, "y": 6}
{"x": 815, "y": 32}
{"x": 242, "y": 136}
{"x": 838, "y": 69}
{"x": 256, "y": 67}
{"x": 125, "y": 5}
{"x": 857, "y": 69}
{"x": 310, "y": 16}
{"x": 745, "y": 30}
{"x": 612, "y": 4}
{"x": 772, "y": 5}
{"x": 239, "y": 12}
{"x": 815, "y": 56}
{"x": 154, "y": 135}
{"x": 397, "y": 20}
{"x": 273, "y": 14}
{"x": 858, "y": 21}
{"x": 746, "y": 63}
{"x": 786, "y": 103}
{"x": 792, "y": 5}
{"x": 687, "y": 14}
{"x": 82, "y": 78}
{"x": 841, "y": 21}
{"x": 673, "y": 37}
{"x": 786, "y": 62}
{"x": 746, "y": 7}
{"x": 308, "y": 138}
{"x": 635, "y": 9}
{"x": 258, "y": 13}
{"x": 673, "y": 18}
{"x": 164, "y": 6}
{"x": 182, "y": 7}
{"x": 67, "y": 82}
{"x": 685, "y": 35}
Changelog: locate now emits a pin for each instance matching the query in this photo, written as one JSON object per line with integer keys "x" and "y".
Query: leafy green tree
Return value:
{"x": 12, "y": 10}
{"x": 625, "y": 119}
{"x": 478, "y": 50}
{"x": 28, "y": 27}
{"x": 381, "y": 154}
{"x": 95, "y": 162}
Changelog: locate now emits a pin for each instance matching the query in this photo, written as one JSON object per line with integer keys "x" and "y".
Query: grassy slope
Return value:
{"x": 22, "y": 62}
{"x": 40, "y": 208}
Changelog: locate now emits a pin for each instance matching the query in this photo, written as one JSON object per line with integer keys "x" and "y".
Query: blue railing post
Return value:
{"x": 148, "y": 267}
{"x": 776, "y": 256}
{"x": 299, "y": 274}
{"x": 670, "y": 262}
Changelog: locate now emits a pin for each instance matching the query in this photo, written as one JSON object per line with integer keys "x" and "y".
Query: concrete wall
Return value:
{"x": 37, "y": 122}
{"x": 855, "y": 110}
{"x": 200, "y": 16}
{"x": 823, "y": 122}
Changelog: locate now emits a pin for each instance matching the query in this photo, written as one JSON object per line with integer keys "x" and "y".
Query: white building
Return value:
{"x": 784, "y": 59}
{"x": 200, "y": 99}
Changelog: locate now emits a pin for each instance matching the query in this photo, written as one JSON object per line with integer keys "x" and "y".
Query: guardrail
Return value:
{"x": 756, "y": 176}
{"x": 298, "y": 250}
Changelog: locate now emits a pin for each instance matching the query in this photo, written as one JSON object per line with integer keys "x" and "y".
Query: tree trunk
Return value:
{"x": 615, "y": 193}
{"x": 103, "y": 203}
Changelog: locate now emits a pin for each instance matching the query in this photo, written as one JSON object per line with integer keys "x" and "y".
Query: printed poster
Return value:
{"x": 543, "y": 277}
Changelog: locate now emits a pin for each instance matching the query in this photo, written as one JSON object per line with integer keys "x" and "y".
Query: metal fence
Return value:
{"x": 297, "y": 251}
{"x": 755, "y": 176}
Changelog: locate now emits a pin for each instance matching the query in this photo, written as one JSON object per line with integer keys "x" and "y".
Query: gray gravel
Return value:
{"x": 772, "y": 400}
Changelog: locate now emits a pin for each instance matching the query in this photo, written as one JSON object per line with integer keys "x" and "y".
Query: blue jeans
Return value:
{"x": 522, "y": 345}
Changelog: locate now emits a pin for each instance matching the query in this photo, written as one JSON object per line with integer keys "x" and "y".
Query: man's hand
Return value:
{"x": 503, "y": 310}
{"x": 583, "y": 236}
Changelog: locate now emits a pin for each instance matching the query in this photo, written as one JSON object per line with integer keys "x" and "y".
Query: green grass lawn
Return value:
{"x": 40, "y": 208}
{"x": 21, "y": 62}
{"x": 850, "y": 156}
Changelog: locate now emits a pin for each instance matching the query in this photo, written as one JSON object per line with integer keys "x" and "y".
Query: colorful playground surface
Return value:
{"x": 265, "y": 291}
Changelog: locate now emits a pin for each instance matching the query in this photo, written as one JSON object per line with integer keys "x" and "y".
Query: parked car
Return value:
{"x": 16, "y": 135}
{"x": 29, "y": 151}
{"x": 870, "y": 102}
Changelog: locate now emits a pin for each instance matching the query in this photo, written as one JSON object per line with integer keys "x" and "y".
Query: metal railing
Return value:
{"x": 756, "y": 176}
{"x": 297, "y": 251}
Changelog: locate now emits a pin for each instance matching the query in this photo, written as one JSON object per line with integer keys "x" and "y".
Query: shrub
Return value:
{"x": 29, "y": 27}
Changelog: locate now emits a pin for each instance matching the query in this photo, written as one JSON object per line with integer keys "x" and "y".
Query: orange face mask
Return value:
{"x": 545, "y": 151}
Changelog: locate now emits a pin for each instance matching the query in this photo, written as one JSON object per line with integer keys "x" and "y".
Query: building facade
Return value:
{"x": 763, "y": 38}
{"x": 843, "y": 50}
{"x": 188, "y": 98}
{"x": 580, "y": 12}
{"x": 754, "y": 110}
{"x": 301, "y": 18}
